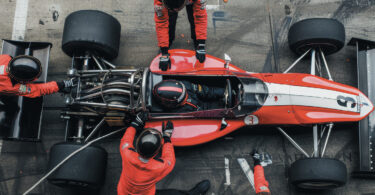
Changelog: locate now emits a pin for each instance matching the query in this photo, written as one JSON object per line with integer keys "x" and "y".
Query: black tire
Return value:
{"x": 318, "y": 173}
{"x": 326, "y": 33}
{"x": 85, "y": 170}
{"x": 91, "y": 30}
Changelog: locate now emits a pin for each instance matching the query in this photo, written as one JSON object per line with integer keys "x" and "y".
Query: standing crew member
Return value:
{"x": 17, "y": 74}
{"x": 166, "y": 12}
{"x": 141, "y": 169}
{"x": 260, "y": 182}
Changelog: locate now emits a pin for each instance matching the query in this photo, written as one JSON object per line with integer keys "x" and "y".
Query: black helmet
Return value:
{"x": 174, "y": 5}
{"x": 149, "y": 143}
{"x": 24, "y": 69}
{"x": 170, "y": 93}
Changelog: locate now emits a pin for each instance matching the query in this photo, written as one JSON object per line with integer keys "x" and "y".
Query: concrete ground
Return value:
{"x": 245, "y": 34}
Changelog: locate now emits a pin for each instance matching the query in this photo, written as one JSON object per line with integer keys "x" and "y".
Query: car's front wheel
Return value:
{"x": 318, "y": 173}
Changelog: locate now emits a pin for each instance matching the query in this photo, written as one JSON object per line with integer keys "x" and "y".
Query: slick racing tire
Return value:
{"x": 91, "y": 30}
{"x": 318, "y": 173}
{"x": 85, "y": 170}
{"x": 325, "y": 33}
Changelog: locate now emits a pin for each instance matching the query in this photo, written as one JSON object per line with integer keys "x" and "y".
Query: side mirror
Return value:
{"x": 227, "y": 60}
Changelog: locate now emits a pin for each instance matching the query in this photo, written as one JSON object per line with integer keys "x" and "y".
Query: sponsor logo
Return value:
{"x": 24, "y": 89}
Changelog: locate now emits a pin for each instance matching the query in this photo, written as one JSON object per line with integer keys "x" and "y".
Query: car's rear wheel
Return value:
{"x": 324, "y": 33}
{"x": 91, "y": 30}
{"x": 85, "y": 170}
{"x": 318, "y": 173}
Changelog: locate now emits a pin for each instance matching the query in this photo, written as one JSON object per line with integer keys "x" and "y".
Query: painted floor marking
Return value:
{"x": 213, "y": 7}
{"x": 227, "y": 172}
{"x": 247, "y": 170}
{"x": 19, "y": 22}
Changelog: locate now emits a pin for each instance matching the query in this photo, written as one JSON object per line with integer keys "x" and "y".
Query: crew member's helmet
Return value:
{"x": 24, "y": 69}
{"x": 170, "y": 93}
{"x": 174, "y": 5}
{"x": 148, "y": 143}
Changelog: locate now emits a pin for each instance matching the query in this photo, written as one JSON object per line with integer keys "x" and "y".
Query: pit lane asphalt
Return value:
{"x": 243, "y": 33}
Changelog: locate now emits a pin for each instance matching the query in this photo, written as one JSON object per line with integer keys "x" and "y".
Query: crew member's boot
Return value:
{"x": 201, "y": 188}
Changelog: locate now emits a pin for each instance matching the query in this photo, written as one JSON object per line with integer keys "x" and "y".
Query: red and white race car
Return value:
{"x": 107, "y": 97}
{"x": 253, "y": 99}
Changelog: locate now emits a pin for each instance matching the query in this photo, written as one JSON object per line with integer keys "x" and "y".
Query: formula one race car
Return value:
{"x": 106, "y": 96}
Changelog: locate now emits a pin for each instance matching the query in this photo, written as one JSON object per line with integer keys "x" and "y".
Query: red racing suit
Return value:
{"x": 138, "y": 177}
{"x": 31, "y": 90}
{"x": 164, "y": 29}
{"x": 260, "y": 182}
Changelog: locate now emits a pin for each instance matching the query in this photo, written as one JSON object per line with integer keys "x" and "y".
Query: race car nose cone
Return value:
{"x": 366, "y": 106}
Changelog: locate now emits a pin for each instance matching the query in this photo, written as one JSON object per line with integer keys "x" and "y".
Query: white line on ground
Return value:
{"x": 19, "y": 22}
{"x": 247, "y": 170}
{"x": 1, "y": 145}
{"x": 213, "y": 7}
{"x": 227, "y": 172}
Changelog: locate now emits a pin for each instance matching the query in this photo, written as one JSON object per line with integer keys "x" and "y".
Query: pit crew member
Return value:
{"x": 141, "y": 168}
{"x": 166, "y": 13}
{"x": 17, "y": 74}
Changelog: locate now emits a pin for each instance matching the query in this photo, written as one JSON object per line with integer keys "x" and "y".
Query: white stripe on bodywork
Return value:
{"x": 19, "y": 21}
{"x": 281, "y": 94}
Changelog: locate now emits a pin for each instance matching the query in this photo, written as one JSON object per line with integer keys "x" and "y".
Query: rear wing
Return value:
{"x": 20, "y": 117}
{"x": 366, "y": 84}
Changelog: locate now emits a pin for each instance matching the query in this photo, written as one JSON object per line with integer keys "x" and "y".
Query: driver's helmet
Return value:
{"x": 170, "y": 93}
{"x": 148, "y": 143}
{"x": 24, "y": 69}
{"x": 174, "y": 5}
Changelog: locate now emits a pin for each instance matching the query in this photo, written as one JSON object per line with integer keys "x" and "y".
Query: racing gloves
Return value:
{"x": 139, "y": 122}
{"x": 256, "y": 157}
{"x": 165, "y": 62}
{"x": 167, "y": 131}
{"x": 66, "y": 84}
{"x": 200, "y": 51}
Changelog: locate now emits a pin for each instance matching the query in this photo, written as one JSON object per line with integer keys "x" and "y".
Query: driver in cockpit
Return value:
{"x": 185, "y": 96}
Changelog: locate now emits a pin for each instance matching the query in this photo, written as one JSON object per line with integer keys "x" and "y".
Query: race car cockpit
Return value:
{"x": 203, "y": 96}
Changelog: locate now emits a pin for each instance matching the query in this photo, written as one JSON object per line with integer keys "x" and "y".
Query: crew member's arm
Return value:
{"x": 34, "y": 90}
{"x": 135, "y": 126}
{"x": 127, "y": 139}
{"x": 168, "y": 158}
{"x": 167, "y": 155}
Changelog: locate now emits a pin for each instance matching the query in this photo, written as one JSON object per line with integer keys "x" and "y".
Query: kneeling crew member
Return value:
{"x": 141, "y": 170}
{"x": 166, "y": 13}
{"x": 17, "y": 74}
{"x": 185, "y": 96}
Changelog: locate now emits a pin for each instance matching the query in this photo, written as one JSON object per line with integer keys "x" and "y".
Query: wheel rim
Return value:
{"x": 317, "y": 185}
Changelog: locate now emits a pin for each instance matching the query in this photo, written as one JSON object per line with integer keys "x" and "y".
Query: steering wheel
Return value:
{"x": 228, "y": 95}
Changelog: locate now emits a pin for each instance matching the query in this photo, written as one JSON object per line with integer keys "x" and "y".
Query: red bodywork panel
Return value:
{"x": 293, "y": 99}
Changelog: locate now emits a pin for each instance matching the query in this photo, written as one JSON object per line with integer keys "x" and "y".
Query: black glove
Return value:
{"x": 256, "y": 157}
{"x": 165, "y": 62}
{"x": 200, "y": 51}
{"x": 139, "y": 122}
{"x": 65, "y": 84}
{"x": 167, "y": 131}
